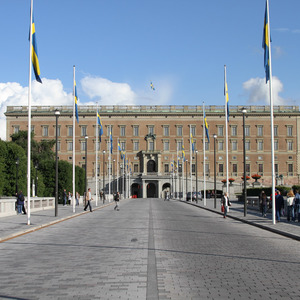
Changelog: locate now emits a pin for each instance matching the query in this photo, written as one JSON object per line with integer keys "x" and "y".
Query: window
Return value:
{"x": 123, "y": 146}
{"x": 193, "y": 130}
{"x": 166, "y": 145}
{"x": 221, "y": 169}
{"x": 276, "y": 168}
{"x": 221, "y": 145}
{"x": 16, "y": 129}
{"x": 234, "y": 169}
{"x": 207, "y": 169}
{"x": 234, "y": 130}
{"x": 32, "y": 128}
{"x": 122, "y": 130}
{"x": 289, "y": 130}
{"x": 83, "y": 145}
{"x": 247, "y": 145}
{"x": 179, "y": 145}
{"x": 58, "y": 145}
{"x": 220, "y": 131}
{"x": 70, "y": 130}
{"x": 151, "y": 146}
{"x": 97, "y": 146}
{"x": 260, "y": 130}
{"x": 247, "y": 169}
{"x": 290, "y": 170}
{"x": 166, "y": 168}
{"x": 260, "y": 145}
{"x": 166, "y": 131}
{"x": 260, "y": 169}
{"x": 234, "y": 145}
{"x": 276, "y": 130}
{"x": 206, "y": 145}
{"x": 136, "y": 146}
{"x": 45, "y": 131}
{"x": 70, "y": 146}
{"x": 135, "y": 130}
{"x": 247, "y": 130}
{"x": 135, "y": 168}
{"x": 289, "y": 145}
{"x": 275, "y": 145}
{"x": 83, "y": 131}
{"x": 193, "y": 168}
{"x": 151, "y": 129}
{"x": 58, "y": 130}
{"x": 179, "y": 130}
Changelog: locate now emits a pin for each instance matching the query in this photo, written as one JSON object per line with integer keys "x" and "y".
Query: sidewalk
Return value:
{"x": 16, "y": 225}
{"x": 253, "y": 217}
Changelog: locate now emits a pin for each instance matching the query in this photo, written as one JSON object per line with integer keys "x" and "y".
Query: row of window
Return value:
{"x": 166, "y": 130}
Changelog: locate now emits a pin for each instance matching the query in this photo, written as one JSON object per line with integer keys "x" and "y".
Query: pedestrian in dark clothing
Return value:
{"x": 297, "y": 204}
{"x": 89, "y": 199}
{"x": 264, "y": 200}
{"x": 278, "y": 205}
{"x": 65, "y": 197}
{"x": 290, "y": 202}
{"x": 20, "y": 202}
{"x": 117, "y": 199}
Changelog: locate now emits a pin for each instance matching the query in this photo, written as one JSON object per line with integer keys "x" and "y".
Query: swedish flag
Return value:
{"x": 265, "y": 44}
{"x": 121, "y": 152}
{"x": 111, "y": 142}
{"x": 34, "y": 58}
{"x": 152, "y": 86}
{"x": 100, "y": 124}
{"x": 76, "y": 100}
{"x": 206, "y": 127}
{"x": 227, "y": 99}
{"x": 193, "y": 144}
{"x": 183, "y": 153}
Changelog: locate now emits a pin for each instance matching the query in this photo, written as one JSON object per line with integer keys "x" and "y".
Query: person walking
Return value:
{"x": 89, "y": 199}
{"x": 278, "y": 204}
{"x": 117, "y": 199}
{"x": 225, "y": 203}
{"x": 20, "y": 202}
{"x": 77, "y": 196}
{"x": 297, "y": 204}
{"x": 65, "y": 197}
{"x": 290, "y": 202}
{"x": 264, "y": 201}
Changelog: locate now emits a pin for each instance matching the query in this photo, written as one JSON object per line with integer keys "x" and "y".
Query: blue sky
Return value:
{"x": 119, "y": 46}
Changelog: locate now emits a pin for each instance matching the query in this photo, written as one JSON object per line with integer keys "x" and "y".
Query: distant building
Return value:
{"x": 152, "y": 138}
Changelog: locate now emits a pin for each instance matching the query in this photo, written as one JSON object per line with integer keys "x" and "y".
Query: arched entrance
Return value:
{"x": 151, "y": 166}
{"x": 151, "y": 190}
{"x": 135, "y": 190}
{"x": 166, "y": 188}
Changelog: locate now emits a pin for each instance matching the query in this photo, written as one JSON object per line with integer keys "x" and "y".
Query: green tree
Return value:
{"x": 3, "y": 154}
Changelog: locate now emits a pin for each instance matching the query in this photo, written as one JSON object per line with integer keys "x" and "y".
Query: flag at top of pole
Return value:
{"x": 206, "y": 127}
{"x": 226, "y": 95}
{"x": 100, "y": 124}
{"x": 192, "y": 143}
{"x": 76, "y": 101}
{"x": 183, "y": 153}
{"x": 265, "y": 44}
{"x": 152, "y": 86}
{"x": 111, "y": 142}
{"x": 34, "y": 57}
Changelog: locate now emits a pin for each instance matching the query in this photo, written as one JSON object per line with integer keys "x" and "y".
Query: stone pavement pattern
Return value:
{"x": 150, "y": 249}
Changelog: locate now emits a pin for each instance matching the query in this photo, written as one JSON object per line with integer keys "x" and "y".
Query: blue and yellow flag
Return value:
{"x": 121, "y": 152}
{"x": 152, "y": 86}
{"x": 76, "y": 101}
{"x": 34, "y": 57}
{"x": 111, "y": 142}
{"x": 206, "y": 127}
{"x": 227, "y": 98}
{"x": 183, "y": 153}
{"x": 192, "y": 142}
{"x": 265, "y": 44}
{"x": 100, "y": 124}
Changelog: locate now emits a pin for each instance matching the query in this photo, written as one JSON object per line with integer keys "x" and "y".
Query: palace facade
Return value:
{"x": 152, "y": 138}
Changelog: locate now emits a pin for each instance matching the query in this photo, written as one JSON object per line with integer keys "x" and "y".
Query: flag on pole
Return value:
{"x": 227, "y": 98}
{"x": 206, "y": 126}
{"x": 111, "y": 142}
{"x": 152, "y": 86}
{"x": 265, "y": 44}
{"x": 192, "y": 142}
{"x": 183, "y": 153}
{"x": 100, "y": 124}
{"x": 121, "y": 152}
{"x": 76, "y": 101}
{"x": 35, "y": 60}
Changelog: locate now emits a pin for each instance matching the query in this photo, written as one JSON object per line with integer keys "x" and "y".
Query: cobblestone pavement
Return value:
{"x": 150, "y": 249}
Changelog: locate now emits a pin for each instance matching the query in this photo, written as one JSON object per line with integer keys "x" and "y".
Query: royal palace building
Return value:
{"x": 151, "y": 139}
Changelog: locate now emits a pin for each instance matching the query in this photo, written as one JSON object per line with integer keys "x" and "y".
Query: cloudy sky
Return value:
{"x": 120, "y": 46}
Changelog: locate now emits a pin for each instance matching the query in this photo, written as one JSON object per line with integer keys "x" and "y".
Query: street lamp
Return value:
{"x": 244, "y": 111}
{"x": 17, "y": 169}
{"x": 186, "y": 183}
{"x": 215, "y": 173}
{"x": 196, "y": 176}
{"x": 36, "y": 178}
{"x": 103, "y": 176}
{"x": 57, "y": 114}
{"x": 86, "y": 185}
{"x": 114, "y": 176}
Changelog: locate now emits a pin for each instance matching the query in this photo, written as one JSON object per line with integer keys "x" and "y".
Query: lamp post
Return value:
{"x": 36, "y": 178}
{"x": 196, "y": 176}
{"x": 186, "y": 182}
{"x": 17, "y": 171}
{"x": 215, "y": 173}
{"x": 103, "y": 176}
{"x": 57, "y": 114}
{"x": 244, "y": 111}
{"x": 86, "y": 144}
{"x": 114, "y": 176}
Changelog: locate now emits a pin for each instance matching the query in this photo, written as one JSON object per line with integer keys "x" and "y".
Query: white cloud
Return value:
{"x": 13, "y": 94}
{"x": 107, "y": 92}
{"x": 258, "y": 91}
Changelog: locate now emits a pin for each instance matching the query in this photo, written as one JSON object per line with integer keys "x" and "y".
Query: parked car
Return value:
{"x": 188, "y": 196}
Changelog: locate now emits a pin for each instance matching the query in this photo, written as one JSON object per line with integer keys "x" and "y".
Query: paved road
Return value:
{"x": 150, "y": 249}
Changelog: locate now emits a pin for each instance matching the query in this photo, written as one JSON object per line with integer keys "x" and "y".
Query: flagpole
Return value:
{"x": 97, "y": 143}
{"x": 178, "y": 187}
{"x": 29, "y": 120}
{"x": 272, "y": 119}
{"x": 191, "y": 162}
{"x": 118, "y": 165}
{"x": 182, "y": 177}
{"x": 73, "y": 161}
{"x": 109, "y": 165}
{"x": 226, "y": 130}
{"x": 204, "y": 177}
